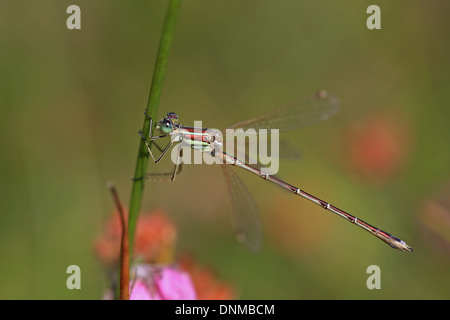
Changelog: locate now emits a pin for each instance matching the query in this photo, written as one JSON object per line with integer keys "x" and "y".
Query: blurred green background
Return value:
{"x": 71, "y": 103}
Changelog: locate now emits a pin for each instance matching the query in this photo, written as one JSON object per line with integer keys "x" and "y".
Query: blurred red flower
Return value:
{"x": 154, "y": 239}
{"x": 378, "y": 147}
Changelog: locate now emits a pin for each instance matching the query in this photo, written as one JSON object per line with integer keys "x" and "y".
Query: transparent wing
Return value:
{"x": 296, "y": 115}
{"x": 245, "y": 214}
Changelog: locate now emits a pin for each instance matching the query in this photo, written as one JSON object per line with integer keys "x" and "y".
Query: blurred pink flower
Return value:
{"x": 140, "y": 291}
{"x": 161, "y": 283}
{"x": 206, "y": 284}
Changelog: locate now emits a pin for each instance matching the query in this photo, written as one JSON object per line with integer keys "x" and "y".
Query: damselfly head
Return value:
{"x": 166, "y": 125}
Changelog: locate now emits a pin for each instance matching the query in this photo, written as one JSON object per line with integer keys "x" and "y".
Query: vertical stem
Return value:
{"x": 124, "y": 289}
{"x": 152, "y": 111}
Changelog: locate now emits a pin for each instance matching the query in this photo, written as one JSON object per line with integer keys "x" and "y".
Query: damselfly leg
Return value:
{"x": 168, "y": 176}
{"x": 178, "y": 165}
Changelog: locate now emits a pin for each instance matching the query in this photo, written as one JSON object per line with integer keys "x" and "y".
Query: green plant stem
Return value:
{"x": 152, "y": 111}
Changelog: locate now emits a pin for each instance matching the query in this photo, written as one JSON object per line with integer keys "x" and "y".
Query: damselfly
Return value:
{"x": 246, "y": 218}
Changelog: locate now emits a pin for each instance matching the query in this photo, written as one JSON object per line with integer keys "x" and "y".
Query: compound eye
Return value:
{"x": 166, "y": 126}
{"x": 172, "y": 116}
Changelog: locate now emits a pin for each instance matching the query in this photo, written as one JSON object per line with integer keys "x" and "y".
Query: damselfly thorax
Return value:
{"x": 201, "y": 139}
